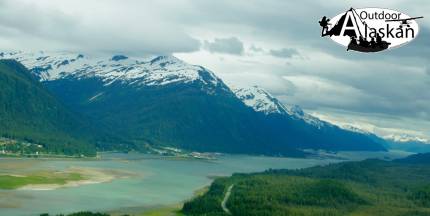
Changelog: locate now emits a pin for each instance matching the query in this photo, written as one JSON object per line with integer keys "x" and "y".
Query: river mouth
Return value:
{"x": 132, "y": 182}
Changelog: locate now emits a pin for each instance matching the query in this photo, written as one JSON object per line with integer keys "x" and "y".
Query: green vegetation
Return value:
{"x": 156, "y": 116}
{"x": 174, "y": 210}
{"x": 11, "y": 146}
{"x": 17, "y": 181}
{"x": 370, "y": 187}
{"x": 210, "y": 202}
{"x": 127, "y": 117}
{"x": 80, "y": 214}
{"x": 167, "y": 211}
{"x": 158, "y": 212}
{"x": 30, "y": 114}
{"x": 421, "y": 196}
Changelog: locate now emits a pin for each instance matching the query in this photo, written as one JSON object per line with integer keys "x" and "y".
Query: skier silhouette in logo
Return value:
{"x": 324, "y": 24}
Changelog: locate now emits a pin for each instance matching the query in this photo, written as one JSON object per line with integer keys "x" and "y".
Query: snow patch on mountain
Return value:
{"x": 353, "y": 128}
{"x": 259, "y": 100}
{"x": 390, "y": 134}
{"x": 147, "y": 71}
{"x": 405, "y": 138}
{"x": 155, "y": 70}
{"x": 262, "y": 101}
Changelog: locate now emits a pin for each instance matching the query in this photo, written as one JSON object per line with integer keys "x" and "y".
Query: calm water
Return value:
{"x": 159, "y": 182}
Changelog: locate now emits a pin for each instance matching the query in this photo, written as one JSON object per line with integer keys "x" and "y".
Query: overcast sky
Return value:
{"x": 270, "y": 43}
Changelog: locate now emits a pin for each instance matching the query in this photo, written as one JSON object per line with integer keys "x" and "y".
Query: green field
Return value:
{"x": 17, "y": 181}
{"x": 371, "y": 187}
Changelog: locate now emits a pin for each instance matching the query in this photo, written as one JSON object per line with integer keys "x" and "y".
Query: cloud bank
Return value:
{"x": 90, "y": 26}
{"x": 245, "y": 42}
{"x": 225, "y": 45}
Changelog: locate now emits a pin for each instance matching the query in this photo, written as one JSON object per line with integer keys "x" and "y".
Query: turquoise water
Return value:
{"x": 159, "y": 181}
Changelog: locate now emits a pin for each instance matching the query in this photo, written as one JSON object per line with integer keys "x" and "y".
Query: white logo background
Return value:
{"x": 366, "y": 15}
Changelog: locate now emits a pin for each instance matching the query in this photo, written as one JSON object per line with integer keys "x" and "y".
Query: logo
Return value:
{"x": 370, "y": 29}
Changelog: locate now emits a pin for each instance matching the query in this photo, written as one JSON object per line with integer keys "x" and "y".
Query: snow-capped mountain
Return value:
{"x": 259, "y": 100}
{"x": 409, "y": 143}
{"x": 281, "y": 116}
{"x": 406, "y": 138}
{"x": 163, "y": 101}
{"x": 149, "y": 71}
{"x": 400, "y": 138}
{"x": 262, "y": 101}
{"x": 155, "y": 70}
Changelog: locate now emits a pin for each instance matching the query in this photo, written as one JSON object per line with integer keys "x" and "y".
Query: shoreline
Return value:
{"x": 172, "y": 209}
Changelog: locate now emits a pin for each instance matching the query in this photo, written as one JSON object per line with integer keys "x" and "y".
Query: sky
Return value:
{"x": 274, "y": 44}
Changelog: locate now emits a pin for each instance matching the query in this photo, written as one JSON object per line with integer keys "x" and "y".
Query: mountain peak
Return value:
{"x": 119, "y": 57}
{"x": 262, "y": 101}
{"x": 162, "y": 100}
{"x": 165, "y": 59}
{"x": 259, "y": 99}
{"x": 159, "y": 70}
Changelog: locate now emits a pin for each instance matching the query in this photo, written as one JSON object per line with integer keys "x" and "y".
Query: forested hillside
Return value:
{"x": 30, "y": 114}
{"x": 370, "y": 187}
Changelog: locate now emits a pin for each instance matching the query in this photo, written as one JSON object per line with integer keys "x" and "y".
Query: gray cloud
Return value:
{"x": 48, "y": 26}
{"x": 374, "y": 87}
{"x": 284, "y": 53}
{"x": 298, "y": 22}
{"x": 390, "y": 83}
{"x": 225, "y": 45}
{"x": 254, "y": 48}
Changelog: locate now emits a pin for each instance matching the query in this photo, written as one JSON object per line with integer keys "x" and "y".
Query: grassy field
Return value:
{"x": 371, "y": 187}
{"x": 17, "y": 181}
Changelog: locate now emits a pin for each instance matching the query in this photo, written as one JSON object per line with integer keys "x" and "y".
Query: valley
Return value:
{"x": 132, "y": 183}
{"x": 214, "y": 108}
{"x": 140, "y": 136}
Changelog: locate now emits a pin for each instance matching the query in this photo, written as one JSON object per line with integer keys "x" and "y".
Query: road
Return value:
{"x": 224, "y": 201}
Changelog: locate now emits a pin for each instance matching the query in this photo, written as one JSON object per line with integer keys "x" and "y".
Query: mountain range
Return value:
{"x": 161, "y": 101}
{"x": 396, "y": 141}
{"x": 407, "y": 143}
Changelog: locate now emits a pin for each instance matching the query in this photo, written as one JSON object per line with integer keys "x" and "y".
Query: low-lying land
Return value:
{"x": 49, "y": 180}
{"x": 41, "y": 178}
{"x": 370, "y": 187}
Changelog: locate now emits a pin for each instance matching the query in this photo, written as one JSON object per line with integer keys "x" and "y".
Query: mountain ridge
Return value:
{"x": 164, "y": 101}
